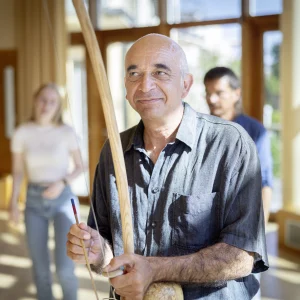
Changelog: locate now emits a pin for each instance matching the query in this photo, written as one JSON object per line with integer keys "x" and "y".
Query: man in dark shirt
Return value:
{"x": 194, "y": 184}
{"x": 223, "y": 96}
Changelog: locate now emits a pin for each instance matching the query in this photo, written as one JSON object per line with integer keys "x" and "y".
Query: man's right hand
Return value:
{"x": 92, "y": 240}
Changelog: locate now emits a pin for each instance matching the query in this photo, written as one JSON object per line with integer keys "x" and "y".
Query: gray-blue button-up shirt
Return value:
{"x": 203, "y": 189}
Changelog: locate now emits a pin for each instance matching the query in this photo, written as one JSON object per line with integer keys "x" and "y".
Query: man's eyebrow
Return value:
{"x": 131, "y": 67}
{"x": 162, "y": 66}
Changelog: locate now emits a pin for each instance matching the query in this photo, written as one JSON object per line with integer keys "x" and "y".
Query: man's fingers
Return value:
{"x": 77, "y": 241}
{"x": 78, "y": 258}
{"x": 80, "y": 231}
{"x": 77, "y": 248}
{"x": 119, "y": 262}
{"x": 94, "y": 234}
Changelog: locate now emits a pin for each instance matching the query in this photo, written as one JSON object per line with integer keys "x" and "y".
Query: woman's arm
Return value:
{"x": 79, "y": 166}
{"x": 55, "y": 189}
{"x": 17, "y": 173}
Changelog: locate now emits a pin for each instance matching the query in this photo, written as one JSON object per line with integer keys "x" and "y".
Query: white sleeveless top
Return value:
{"x": 46, "y": 150}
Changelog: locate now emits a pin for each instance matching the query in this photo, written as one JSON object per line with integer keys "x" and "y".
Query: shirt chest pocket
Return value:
{"x": 194, "y": 222}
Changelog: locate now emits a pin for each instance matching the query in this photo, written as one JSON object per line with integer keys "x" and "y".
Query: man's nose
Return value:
{"x": 47, "y": 104}
{"x": 147, "y": 83}
{"x": 213, "y": 98}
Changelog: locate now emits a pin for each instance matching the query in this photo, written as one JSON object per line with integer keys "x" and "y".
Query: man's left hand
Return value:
{"x": 138, "y": 275}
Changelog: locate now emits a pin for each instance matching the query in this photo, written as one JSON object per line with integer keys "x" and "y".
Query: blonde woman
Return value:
{"x": 42, "y": 148}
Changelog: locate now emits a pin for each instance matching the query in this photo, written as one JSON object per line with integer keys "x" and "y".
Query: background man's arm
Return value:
{"x": 265, "y": 156}
{"x": 266, "y": 199}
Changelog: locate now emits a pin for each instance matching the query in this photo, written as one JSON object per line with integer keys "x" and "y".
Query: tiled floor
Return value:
{"x": 15, "y": 267}
{"x": 280, "y": 282}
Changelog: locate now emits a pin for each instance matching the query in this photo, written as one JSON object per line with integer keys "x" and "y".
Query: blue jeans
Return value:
{"x": 39, "y": 213}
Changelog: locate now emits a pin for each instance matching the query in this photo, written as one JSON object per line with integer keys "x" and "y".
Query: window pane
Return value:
{"x": 115, "y": 14}
{"x": 126, "y": 116}
{"x": 207, "y": 47}
{"x": 272, "y": 113}
{"x": 76, "y": 114}
{"x": 265, "y": 7}
{"x": 200, "y": 10}
{"x": 72, "y": 22}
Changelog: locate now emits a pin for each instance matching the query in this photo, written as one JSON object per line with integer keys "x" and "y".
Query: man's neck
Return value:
{"x": 229, "y": 116}
{"x": 157, "y": 134}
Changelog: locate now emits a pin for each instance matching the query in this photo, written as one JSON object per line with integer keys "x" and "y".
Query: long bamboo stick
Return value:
{"x": 111, "y": 124}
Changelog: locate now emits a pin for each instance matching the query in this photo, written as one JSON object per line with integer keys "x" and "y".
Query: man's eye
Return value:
{"x": 161, "y": 75}
{"x": 221, "y": 94}
{"x": 133, "y": 74}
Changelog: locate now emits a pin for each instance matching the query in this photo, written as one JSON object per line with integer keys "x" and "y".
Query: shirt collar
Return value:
{"x": 186, "y": 131}
{"x": 136, "y": 137}
{"x": 187, "y": 128}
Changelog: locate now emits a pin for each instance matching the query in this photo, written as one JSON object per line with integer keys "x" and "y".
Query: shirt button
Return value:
{"x": 153, "y": 224}
{"x": 155, "y": 190}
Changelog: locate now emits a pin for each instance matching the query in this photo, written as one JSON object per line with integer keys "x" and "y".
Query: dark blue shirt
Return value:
{"x": 261, "y": 139}
{"x": 205, "y": 188}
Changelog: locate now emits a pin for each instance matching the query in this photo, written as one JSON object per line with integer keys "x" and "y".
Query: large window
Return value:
{"x": 200, "y": 10}
{"x": 117, "y": 14}
{"x": 210, "y": 32}
{"x": 127, "y": 14}
{"x": 207, "y": 47}
{"x": 76, "y": 113}
{"x": 265, "y": 7}
{"x": 125, "y": 115}
{"x": 72, "y": 22}
{"x": 272, "y": 114}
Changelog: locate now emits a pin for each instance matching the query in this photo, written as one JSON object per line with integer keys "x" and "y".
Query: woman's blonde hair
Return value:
{"x": 57, "y": 118}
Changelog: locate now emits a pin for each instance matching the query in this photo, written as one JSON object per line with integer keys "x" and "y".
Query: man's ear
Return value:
{"x": 125, "y": 88}
{"x": 237, "y": 94}
{"x": 187, "y": 83}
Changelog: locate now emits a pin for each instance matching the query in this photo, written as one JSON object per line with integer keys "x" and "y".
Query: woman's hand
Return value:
{"x": 54, "y": 190}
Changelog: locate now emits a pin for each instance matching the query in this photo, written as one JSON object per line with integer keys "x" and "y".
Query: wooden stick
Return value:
{"x": 111, "y": 123}
{"x": 84, "y": 251}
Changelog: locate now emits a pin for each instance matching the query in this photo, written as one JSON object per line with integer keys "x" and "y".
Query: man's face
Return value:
{"x": 153, "y": 79}
{"x": 221, "y": 98}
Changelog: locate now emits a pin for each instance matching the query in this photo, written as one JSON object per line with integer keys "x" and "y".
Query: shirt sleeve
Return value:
{"x": 17, "y": 144}
{"x": 99, "y": 201}
{"x": 243, "y": 225}
{"x": 264, "y": 152}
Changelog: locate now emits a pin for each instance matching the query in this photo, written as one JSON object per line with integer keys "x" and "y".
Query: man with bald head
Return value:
{"x": 194, "y": 184}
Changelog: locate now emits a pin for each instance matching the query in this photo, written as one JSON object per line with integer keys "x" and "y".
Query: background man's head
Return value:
{"x": 223, "y": 92}
{"x": 156, "y": 76}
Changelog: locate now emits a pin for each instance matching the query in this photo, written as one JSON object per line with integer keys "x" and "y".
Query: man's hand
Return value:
{"x": 54, "y": 190}
{"x": 92, "y": 240}
{"x": 138, "y": 275}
